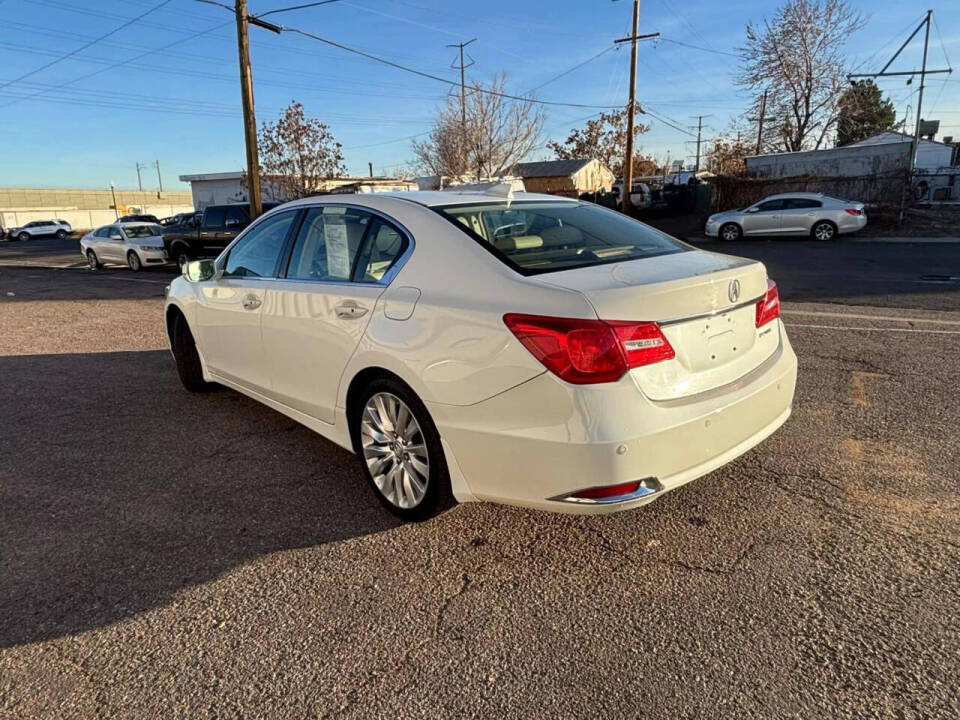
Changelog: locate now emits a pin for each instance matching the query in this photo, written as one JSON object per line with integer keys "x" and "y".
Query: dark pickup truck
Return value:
{"x": 217, "y": 228}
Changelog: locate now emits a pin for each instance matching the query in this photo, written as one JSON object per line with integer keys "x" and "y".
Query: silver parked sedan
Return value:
{"x": 806, "y": 214}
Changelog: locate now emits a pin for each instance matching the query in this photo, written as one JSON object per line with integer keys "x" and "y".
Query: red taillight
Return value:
{"x": 589, "y": 351}
{"x": 605, "y": 491}
{"x": 768, "y": 307}
{"x": 853, "y": 211}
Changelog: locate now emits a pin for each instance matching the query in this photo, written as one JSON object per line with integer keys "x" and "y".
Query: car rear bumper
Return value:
{"x": 852, "y": 223}
{"x": 539, "y": 442}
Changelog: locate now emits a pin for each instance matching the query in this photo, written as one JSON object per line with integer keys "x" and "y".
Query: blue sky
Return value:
{"x": 181, "y": 105}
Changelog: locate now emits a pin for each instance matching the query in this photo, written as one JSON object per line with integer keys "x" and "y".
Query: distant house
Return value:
{"x": 932, "y": 155}
{"x": 565, "y": 177}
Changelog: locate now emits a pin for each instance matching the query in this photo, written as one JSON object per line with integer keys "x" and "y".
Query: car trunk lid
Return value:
{"x": 705, "y": 304}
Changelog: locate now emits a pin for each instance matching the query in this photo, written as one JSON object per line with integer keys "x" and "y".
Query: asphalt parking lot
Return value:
{"x": 164, "y": 554}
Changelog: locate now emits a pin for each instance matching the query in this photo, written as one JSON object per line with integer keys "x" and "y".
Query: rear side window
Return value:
{"x": 384, "y": 245}
{"x": 236, "y": 216}
{"x": 328, "y": 244}
{"x": 213, "y": 217}
{"x": 802, "y": 204}
{"x": 257, "y": 254}
{"x": 543, "y": 236}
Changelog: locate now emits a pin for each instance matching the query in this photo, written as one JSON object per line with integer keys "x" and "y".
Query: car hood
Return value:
{"x": 725, "y": 214}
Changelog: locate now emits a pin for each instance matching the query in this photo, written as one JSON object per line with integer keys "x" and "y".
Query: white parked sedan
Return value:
{"x": 135, "y": 244}
{"x": 529, "y": 350}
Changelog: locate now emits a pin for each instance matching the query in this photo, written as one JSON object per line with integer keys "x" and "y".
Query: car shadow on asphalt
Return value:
{"x": 118, "y": 489}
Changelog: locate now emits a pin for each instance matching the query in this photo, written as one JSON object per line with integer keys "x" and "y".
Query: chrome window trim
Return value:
{"x": 387, "y": 276}
{"x": 710, "y": 313}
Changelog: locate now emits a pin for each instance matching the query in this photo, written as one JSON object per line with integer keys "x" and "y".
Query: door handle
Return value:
{"x": 350, "y": 309}
{"x": 251, "y": 302}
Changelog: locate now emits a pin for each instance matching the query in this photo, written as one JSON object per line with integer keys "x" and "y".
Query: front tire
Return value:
{"x": 182, "y": 256}
{"x": 730, "y": 232}
{"x": 823, "y": 231}
{"x": 399, "y": 445}
{"x": 133, "y": 261}
{"x": 92, "y": 262}
{"x": 23, "y": 237}
{"x": 188, "y": 359}
{"x": 61, "y": 234}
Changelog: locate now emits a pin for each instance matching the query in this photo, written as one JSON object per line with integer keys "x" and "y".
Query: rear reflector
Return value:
{"x": 606, "y": 491}
{"x": 768, "y": 307}
{"x": 589, "y": 351}
{"x": 853, "y": 211}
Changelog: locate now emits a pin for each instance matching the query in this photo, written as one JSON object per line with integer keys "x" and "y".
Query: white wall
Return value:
{"x": 82, "y": 219}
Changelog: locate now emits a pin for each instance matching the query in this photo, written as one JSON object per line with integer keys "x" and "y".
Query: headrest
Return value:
{"x": 558, "y": 235}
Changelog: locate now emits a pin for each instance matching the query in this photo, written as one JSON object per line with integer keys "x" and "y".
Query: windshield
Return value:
{"x": 141, "y": 231}
{"x": 545, "y": 236}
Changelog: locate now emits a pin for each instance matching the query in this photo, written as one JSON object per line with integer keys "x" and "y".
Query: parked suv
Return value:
{"x": 219, "y": 225}
{"x": 40, "y": 228}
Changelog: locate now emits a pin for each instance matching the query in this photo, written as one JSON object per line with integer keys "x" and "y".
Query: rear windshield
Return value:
{"x": 542, "y": 236}
{"x": 142, "y": 231}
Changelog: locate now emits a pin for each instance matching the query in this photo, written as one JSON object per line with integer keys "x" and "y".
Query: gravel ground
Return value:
{"x": 164, "y": 554}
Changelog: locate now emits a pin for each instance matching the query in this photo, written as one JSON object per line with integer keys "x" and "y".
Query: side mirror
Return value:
{"x": 200, "y": 270}
{"x": 753, "y": 210}
{"x": 232, "y": 222}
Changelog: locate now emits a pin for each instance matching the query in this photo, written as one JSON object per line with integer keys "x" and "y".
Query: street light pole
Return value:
{"x": 113, "y": 194}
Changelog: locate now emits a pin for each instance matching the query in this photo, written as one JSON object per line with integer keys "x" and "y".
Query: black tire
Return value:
{"x": 187, "y": 358}
{"x": 181, "y": 255}
{"x": 61, "y": 234}
{"x": 824, "y": 230}
{"x": 438, "y": 495}
{"x": 23, "y": 237}
{"x": 133, "y": 261}
{"x": 733, "y": 232}
{"x": 92, "y": 261}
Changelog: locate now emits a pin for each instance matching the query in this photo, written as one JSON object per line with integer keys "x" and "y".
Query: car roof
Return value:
{"x": 429, "y": 198}
{"x": 807, "y": 195}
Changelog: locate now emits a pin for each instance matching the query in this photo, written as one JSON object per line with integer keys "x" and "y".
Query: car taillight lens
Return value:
{"x": 853, "y": 211}
{"x": 605, "y": 491}
{"x": 589, "y": 351}
{"x": 768, "y": 307}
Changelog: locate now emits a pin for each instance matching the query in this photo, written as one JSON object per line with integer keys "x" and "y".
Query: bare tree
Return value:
{"x": 725, "y": 155}
{"x": 797, "y": 58}
{"x": 296, "y": 154}
{"x": 603, "y": 138}
{"x": 499, "y": 133}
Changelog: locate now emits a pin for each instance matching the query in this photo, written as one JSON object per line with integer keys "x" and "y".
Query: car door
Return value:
{"x": 315, "y": 316}
{"x": 798, "y": 216}
{"x": 765, "y": 220}
{"x": 229, "y": 308}
{"x": 113, "y": 245}
{"x": 210, "y": 228}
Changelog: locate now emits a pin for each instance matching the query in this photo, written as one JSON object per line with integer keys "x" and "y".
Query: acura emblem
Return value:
{"x": 733, "y": 292}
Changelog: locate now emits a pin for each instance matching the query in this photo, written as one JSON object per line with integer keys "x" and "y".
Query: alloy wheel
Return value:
{"x": 92, "y": 260}
{"x": 823, "y": 231}
{"x": 395, "y": 450}
{"x": 730, "y": 232}
{"x": 133, "y": 260}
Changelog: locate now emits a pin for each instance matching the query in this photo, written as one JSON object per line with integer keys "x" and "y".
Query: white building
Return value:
{"x": 932, "y": 155}
{"x": 230, "y": 187}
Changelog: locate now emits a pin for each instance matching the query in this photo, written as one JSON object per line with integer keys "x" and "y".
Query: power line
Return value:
{"x": 296, "y": 7}
{"x": 83, "y": 47}
{"x": 438, "y": 78}
{"x": 575, "y": 67}
{"x": 697, "y": 47}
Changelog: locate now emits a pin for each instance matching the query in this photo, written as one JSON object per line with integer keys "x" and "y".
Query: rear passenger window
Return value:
{"x": 383, "y": 246}
{"x": 771, "y": 205}
{"x": 802, "y": 204}
{"x": 236, "y": 217}
{"x": 328, "y": 244}
{"x": 213, "y": 217}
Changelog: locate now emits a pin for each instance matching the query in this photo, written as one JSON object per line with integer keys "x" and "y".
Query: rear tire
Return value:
{"x": 188, "y": 359}
{"x": 61, "y": 234}
{"x": 823, "y": 231}
{"x": 415, "y": 455}
{"x": 181, "y": 256}
{"x": 92, "y": 262}
{"x": 133, "y": 261}
{"x": 730, "y": 232}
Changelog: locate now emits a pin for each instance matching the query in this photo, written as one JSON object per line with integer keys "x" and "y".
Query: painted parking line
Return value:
{"x": 873, "y": 329}
{"x": 860, "y": 316}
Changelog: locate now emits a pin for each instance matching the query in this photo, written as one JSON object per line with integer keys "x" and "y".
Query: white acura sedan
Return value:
{"x": 523, "y": 349}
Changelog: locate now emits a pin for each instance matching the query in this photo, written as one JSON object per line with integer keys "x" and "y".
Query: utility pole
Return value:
{"x": 139, "y": 168}
{"x": 113, "y": 194}
{"x": 156, "y": 164}
{"x": 631, "y": 107}
{"x": 763, "y": 113}
{"x": 915, "y": 144}
{"x": 463, "y": 94}
{"x": 696, "y": 164}
{"x": 370, "y": 165}
{"x": 249, "y": 120}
